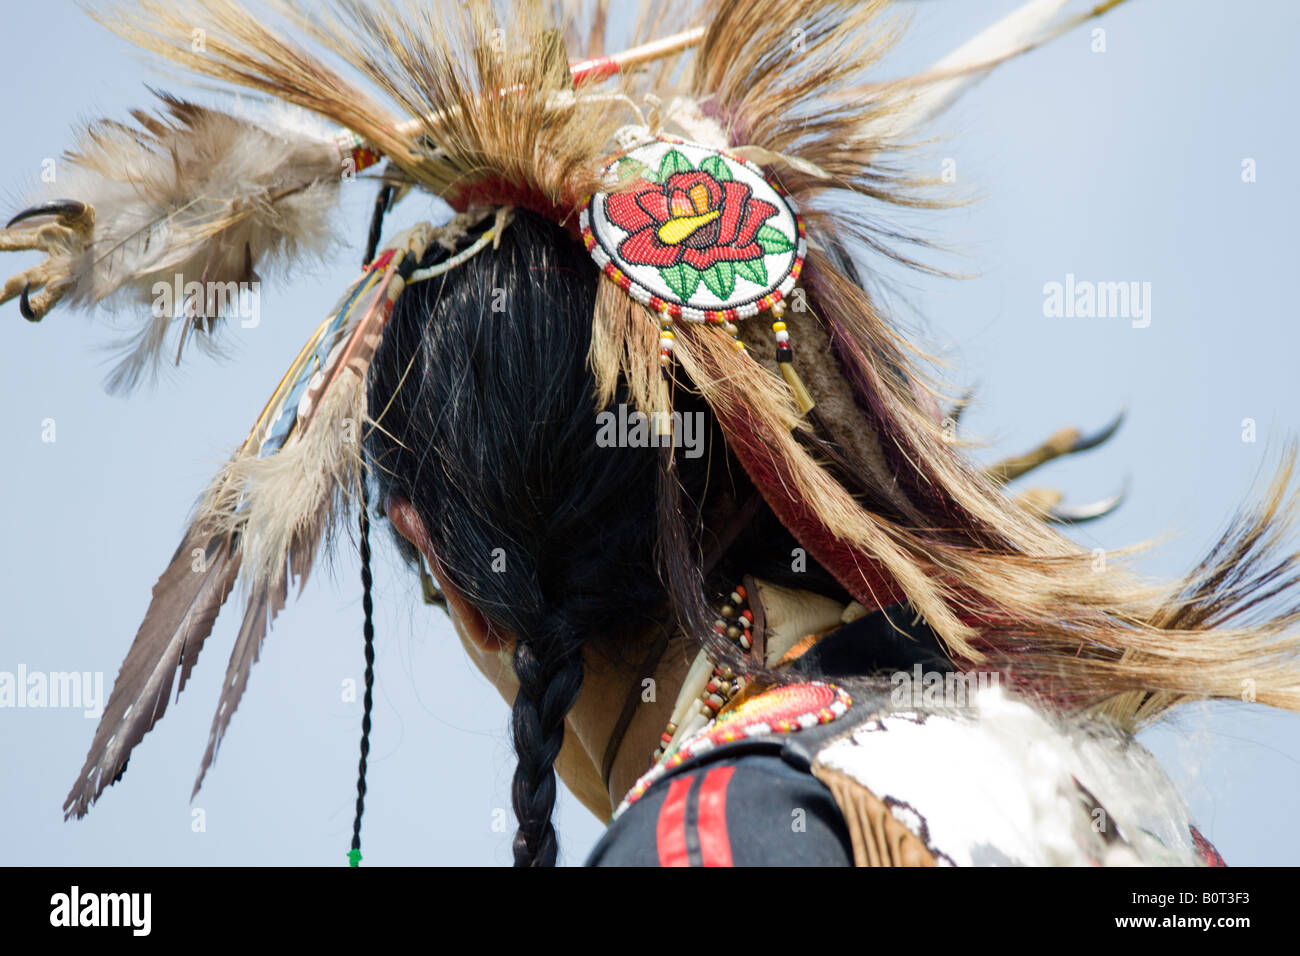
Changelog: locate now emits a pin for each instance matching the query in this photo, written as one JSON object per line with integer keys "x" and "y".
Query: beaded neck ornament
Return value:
{"x": 712, "y": 707}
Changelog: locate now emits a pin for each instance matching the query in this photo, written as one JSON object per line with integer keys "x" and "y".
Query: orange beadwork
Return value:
{"x": 782, "y": 710}
{"x": 783, "y": 707}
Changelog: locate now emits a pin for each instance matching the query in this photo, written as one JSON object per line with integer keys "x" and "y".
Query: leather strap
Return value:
{"x": 649, "y": 666}
{"x": 742, "y": 517}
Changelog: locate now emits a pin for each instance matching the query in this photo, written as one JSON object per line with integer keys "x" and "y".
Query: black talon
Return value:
{"x": 25, "y": 307}
{"x": 64, "y": 208}
{"x": 1085, "y": 442}
{"x": 1078, "y": 514}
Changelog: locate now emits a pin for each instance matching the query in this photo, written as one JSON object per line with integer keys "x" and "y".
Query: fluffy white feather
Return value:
{"x": 191, "y": 195}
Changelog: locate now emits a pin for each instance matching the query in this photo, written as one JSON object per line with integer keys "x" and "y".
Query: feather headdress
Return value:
{"x": 493, "y": 107}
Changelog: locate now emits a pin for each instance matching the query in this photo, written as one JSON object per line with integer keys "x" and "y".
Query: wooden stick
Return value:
{"x": 365, "y": 155}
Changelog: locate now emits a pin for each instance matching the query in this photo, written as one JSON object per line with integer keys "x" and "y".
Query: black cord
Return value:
{"x": 368, "y": 629}
{"x": 382, "y": 202}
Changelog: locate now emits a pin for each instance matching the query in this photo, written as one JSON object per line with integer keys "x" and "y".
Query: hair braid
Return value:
{"x": 550, "y": 675}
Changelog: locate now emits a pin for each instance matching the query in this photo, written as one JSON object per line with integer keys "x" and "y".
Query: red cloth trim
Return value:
{"x": 861, "y": 575}
{"x": 499, "y": 191}
{"x": 670, "y": 830}
{"x": 597, "y": 68}
{"x": 715, "y": 843}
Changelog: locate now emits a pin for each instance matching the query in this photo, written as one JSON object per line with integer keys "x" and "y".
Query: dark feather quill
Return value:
{"x": 262, "y": 608}
{"x": 185, "y": 603}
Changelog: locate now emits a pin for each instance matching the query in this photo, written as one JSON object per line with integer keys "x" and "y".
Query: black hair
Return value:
{"x": 486, "y": 423}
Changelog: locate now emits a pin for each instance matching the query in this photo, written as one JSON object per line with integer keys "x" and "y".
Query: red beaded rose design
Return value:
{"x": 694, "y": 225}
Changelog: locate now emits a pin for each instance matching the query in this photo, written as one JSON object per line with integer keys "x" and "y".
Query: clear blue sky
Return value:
{"x": 1115, "y": 166}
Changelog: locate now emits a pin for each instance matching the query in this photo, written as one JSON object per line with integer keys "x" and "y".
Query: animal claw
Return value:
{"x": 62, "y": 240}
{"x": 1078, "y": 514}
{"x": 1084, "y": 442}
{"x": 1067, "y": 441}
{"x": 25, "y": 306}
{"x": 67, "y": 210}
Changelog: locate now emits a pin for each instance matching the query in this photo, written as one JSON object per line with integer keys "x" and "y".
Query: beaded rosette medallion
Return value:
{"x": 694, "y": 231}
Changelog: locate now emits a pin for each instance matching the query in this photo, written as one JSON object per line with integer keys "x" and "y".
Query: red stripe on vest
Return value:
{"x": 715, "y": 844}
{"x": 670, "y": 830}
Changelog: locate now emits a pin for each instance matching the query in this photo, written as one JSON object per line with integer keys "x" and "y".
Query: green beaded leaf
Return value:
{"x": 629, "y": 168}
{"x": 754, "y": 270}
{"x": 674, "y": 162}
{"x": 716, "y": 167}
{"x": 773, "y": 240}
{"x": 720, "y": 278}
{"x": 683, "y": 279}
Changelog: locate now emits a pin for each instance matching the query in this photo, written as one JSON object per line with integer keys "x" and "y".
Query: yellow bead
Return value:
{"x": 778, "y": 326}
